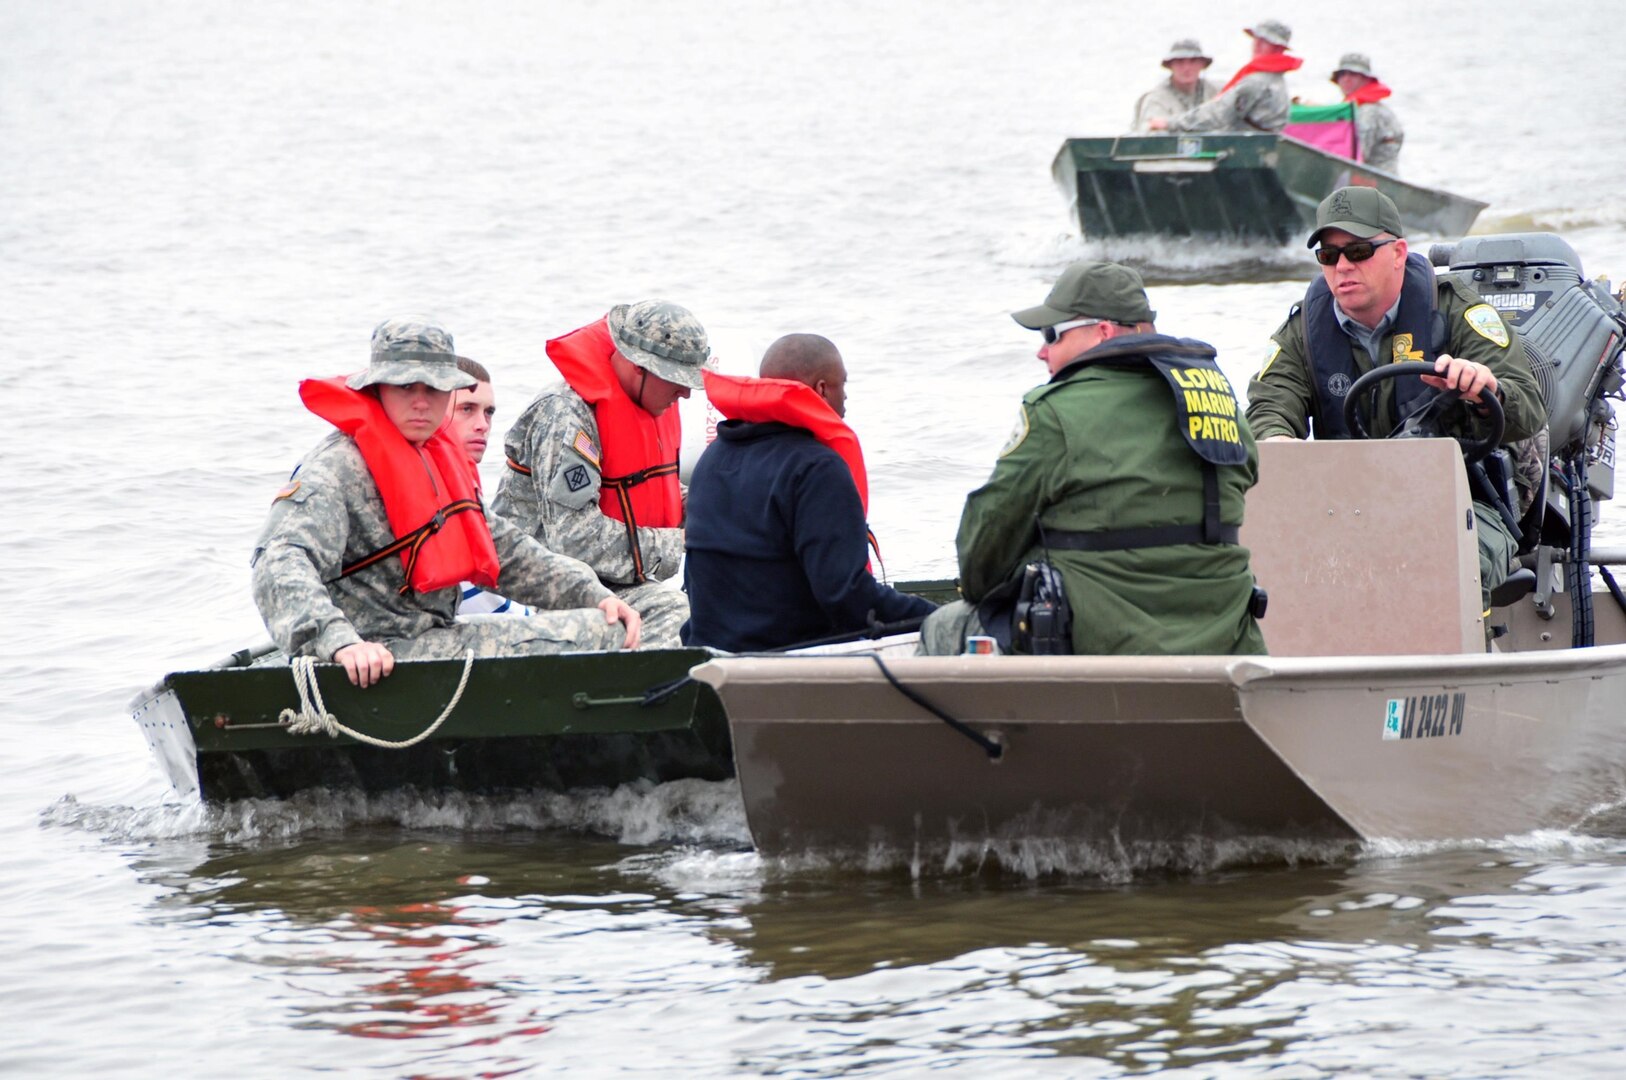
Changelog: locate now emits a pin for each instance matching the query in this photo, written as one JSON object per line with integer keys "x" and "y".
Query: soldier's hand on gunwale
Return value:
{"x": 1463, "y": 376}
{"x": 617, "y": 610}
{"x": 365, "y": 662}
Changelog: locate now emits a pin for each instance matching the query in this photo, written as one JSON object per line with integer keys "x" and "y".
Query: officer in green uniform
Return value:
{"x": 1376, "y": 304}
{"x": 1126, "y": 472}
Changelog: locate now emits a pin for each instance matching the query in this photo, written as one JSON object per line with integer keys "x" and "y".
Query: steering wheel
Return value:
{"x": 1424, "y": 420}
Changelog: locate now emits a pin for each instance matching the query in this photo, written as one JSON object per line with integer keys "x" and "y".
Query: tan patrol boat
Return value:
{"x": 1381, "y": 711}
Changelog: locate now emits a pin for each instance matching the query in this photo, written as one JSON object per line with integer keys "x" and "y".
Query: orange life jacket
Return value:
{"x": 757, "y": 401}
{"x": 639, "y": 462}
{"x": 430, "y": 494}
{"x": 1371, "y": 93}
{"x": 1272, "y": 63}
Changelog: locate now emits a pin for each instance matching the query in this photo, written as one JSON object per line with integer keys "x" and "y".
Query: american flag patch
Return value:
{"x": 584, "y": 446}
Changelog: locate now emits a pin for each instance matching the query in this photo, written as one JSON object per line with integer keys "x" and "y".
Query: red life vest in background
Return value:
{"x": 639, "y": 463}
{"x": 758, "y": 401}
{"x": 430, "y": 494}
{"x": 1372, "y": 92}
{"x": 1271, "y": 63}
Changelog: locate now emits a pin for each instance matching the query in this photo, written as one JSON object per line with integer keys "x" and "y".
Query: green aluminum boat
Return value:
{"x": 1233, "y": 186}
{"x": 584, "y": 720}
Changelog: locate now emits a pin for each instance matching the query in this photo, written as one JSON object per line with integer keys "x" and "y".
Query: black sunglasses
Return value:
{"x": 1359, "y": 251}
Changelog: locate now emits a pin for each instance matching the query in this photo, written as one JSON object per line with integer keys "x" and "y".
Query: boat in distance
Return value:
{"x": 1234, "y": 186}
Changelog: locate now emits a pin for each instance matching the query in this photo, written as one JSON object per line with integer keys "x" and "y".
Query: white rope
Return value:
{"x": 313, "y": 717}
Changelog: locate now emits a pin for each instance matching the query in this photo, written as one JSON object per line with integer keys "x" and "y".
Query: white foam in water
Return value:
{"x": 684, "y": 811}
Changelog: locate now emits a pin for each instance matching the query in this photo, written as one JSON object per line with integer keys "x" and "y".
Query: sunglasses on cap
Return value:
{"x": 1359, "y": 251}
{"x": 1052, "y": 334}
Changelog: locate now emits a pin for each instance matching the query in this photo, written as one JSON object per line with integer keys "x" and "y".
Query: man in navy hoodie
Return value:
{"x": 776, "y": 535}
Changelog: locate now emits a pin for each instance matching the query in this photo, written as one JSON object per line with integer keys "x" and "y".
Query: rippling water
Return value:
{"x": 200, "y": 204}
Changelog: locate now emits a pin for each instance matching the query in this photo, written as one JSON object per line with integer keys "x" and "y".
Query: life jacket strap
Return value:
{"x": 412, "y": 542}
{"x": 523, "y": 470}
{"x": 632, "y": 480}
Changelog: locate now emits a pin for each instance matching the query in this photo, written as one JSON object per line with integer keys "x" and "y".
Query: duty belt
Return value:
{"x": 1128, "y": 539}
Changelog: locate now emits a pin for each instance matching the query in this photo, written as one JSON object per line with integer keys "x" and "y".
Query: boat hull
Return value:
{"x": 1243, "y": 187}
{"x": 556, "y": 722}
{"x": 1127, "y": 750}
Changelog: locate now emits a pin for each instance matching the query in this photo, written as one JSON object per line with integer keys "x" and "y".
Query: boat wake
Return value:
{"x": 680, "y": 812}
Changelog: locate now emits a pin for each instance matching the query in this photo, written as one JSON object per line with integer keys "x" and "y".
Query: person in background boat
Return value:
{"x": 776, "y": 529}
{"x": 472, "y": 410}
{"x": 1126, "y": 472}
{"x": 1376, "y": 126}
{"x": 592, "y": 463}
{"x": 1375, "y": 303}
{"x": 362, "y": 552}
{"x": 1256, "y": 98}
{"x": 1183, "y": 90}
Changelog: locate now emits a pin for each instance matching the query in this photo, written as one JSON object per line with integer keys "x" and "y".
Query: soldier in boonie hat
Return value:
{"x": 1092, "y": 290}
{"x": 1272, "y": 31}
{"x": 407, "y": 351}
{"x": 1353, "y": 63}
{"x": 1186, "y": 49}
{"x": 663, "y": 338}
{"x": 1363, "y": 212}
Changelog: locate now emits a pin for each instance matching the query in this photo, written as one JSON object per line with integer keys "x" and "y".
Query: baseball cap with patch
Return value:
{"x": 1363, "y": 212}
{"x": 1091, "y": 290}
{"x": 407, "y": 351}
{"x": 1272, "y": 30}
{"x": 663, "y": 338}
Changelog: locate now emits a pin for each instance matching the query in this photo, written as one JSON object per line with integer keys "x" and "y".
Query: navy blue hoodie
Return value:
{"x": 777, "y": 544}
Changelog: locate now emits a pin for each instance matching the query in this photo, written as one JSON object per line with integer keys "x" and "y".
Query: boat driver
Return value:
{"x": 1375, "y": 303}
{"x": 1184, "y": 89}
{"x": 1126, "y": 473}
{"x": 363, "y": 550}
{"x": 1256, "y": 99}
{"x": 593, "y": 461}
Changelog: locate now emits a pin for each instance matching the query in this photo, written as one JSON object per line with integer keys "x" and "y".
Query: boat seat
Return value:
{"x": 1519, "y": 584}
{"x": 1367, "y": 548}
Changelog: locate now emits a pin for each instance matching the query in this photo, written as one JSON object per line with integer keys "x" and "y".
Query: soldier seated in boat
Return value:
{"x": 593, "y": 461}
{"x": 1256, "y": 98}
{"x": 361, "y": 556}
{"x": 469, "y": 425}
{"x": 1126, "y": 473}
{"x": 776, "y": 529}
{"x": 1376, "y": 303}
{"x": 1377, "y": 128}
{"x": 1183, "y": 90}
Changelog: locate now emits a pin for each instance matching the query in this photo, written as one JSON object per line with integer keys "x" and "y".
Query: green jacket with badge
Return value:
{"x": 1101, "y": 447}
{"x": 1281, "y": 398}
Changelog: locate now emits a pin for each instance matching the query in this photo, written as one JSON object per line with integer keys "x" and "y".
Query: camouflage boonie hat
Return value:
{"x": 1362, "y": 212}
{"x": 1355, "y": 63}
{"x": 407, "y": 351}
{"x": 1272, "y": 30}
{"x": 663, "y": 338}
{"x": 1091, "y": 290}
{"x": 1187, "y": 49}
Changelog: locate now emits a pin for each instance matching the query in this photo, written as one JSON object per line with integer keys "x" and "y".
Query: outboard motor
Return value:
{"x": 1575, "y": 333}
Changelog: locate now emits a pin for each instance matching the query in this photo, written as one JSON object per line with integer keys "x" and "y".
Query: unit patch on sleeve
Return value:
{"x": 1487, "y": 323}
{"x": 1270, "y": 358}
{"x": 574, "y": 485}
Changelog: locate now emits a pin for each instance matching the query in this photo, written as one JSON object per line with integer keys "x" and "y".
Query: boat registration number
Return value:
{"x": 1425, "y": 716}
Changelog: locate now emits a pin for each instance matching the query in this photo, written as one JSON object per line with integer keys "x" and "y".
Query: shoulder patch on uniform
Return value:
{"x": 1401, "y": 349}
{"x": 1488, "y": 324}
{"x": 574, "y": 485}
{"x": 1018, "y": 433}
{"x": 1271, "y": 354}
{"x": 289, "y": 491}
{"x": 583, "y": 445}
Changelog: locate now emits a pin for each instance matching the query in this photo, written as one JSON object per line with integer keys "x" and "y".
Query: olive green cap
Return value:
{"x": 1091, "y": 290}
{"x": 1363, "y": 212}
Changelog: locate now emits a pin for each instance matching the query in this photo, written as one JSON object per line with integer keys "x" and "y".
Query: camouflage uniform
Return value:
{"x": 558, "y": 500}
{"x": 331, "y": 514}
{"x": 1259, "y": 102}
{"x": 1166, "y": 101}
{"x": 1381, "y": 136}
